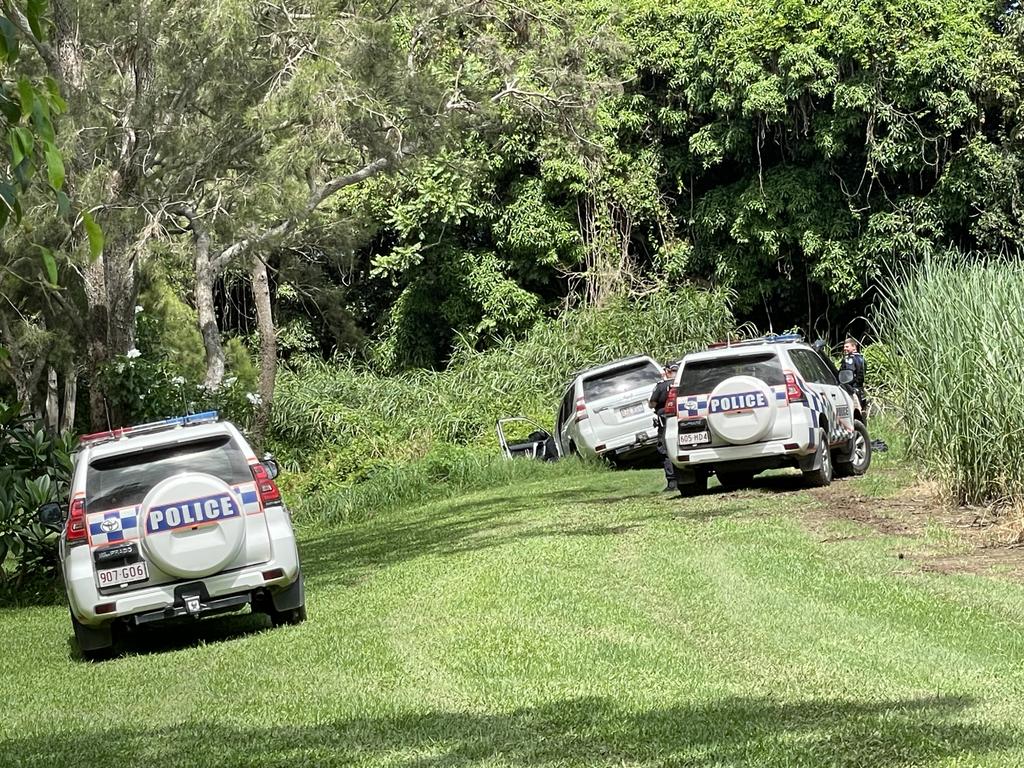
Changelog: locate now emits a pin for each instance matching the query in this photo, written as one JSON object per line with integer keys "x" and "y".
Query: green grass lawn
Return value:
{"x": 578, "y": 619}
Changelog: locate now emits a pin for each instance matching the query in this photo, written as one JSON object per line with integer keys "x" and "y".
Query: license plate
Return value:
{"x": 694, "y": 438}
{"x": 123, "y": 574}
{"x": 631, "y": 410}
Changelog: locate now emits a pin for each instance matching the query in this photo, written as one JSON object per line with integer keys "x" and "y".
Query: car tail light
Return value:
{"x": 581, "y": 410}
{"x": 76, "y": 521}
{"x": 267, "y": 488}
{"x": 793, "y": 392}
{"x": 670, "y": 402}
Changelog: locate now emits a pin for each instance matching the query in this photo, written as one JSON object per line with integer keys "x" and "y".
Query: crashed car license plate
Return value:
{"x": 694, "y": 438}
{"x": 123, "y": 574}
{"x": 631, "y": 410}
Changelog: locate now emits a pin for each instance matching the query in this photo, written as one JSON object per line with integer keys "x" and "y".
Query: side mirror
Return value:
{"x": 846, "y": 376}
{"x": 270, "y": 463}
{"x": 51, "y": 515}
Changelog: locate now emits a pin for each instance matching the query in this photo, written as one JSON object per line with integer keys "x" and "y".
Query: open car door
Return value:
{"x": 522, "y": 437}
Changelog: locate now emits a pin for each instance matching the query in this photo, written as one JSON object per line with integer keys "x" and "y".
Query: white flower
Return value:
{"x": 178, "y": 381}
{"x": 138, "y": 308}
{"x": 132, "y": 353}
{"x": 253, "y": 398}
{"x": 230, "y": 380}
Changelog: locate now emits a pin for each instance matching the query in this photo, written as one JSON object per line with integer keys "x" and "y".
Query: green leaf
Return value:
{"x": 8, "y": 107}
{"x": 8, "y": 41}
{"x": 21, "y": 141}
{"x": 9, "y": 198}
{"x": 35, "y": 11}
{"x": 27, "y": 94}
{"x": 41, "y": 122}
{"x": 50, "y": 263}
{"x": 56, "y": 100}
{"x": 55, "y": 168}
{"x": 63, "y": 204}
{"x": 95, "y": 235}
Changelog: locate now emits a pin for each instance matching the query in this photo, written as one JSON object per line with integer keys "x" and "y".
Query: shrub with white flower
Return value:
{"x": 132, "y": 353}
{"x": 138, "y": 308}
{"x": 178, "y": 381}
{"x": 253, "y": 398}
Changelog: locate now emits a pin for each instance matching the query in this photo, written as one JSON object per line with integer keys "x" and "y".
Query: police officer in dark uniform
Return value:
{"x": 853, "y": 360}
{"x": 657, "y": 402}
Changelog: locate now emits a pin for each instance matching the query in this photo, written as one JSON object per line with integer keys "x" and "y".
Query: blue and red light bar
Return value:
{"x": 206, "y": 417}
{"x": 769, "y": 339}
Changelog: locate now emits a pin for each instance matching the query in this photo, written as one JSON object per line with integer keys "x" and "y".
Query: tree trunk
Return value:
{"x": 268, "y": 347}
{"x": 119, "y": 274}
{"x": 52, "y": 403}
{"x": 96, "y": 296}
{"x": 206, "y": 311}
{"x": 70, "y": 398}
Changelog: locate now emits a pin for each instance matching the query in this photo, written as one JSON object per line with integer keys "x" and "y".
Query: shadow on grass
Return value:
{"x": 580, "y": 731}
{"x": 351, "y": 553}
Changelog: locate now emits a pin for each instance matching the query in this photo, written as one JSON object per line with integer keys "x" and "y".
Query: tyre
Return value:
{"x": 859, "y": 459}
{"x": 822, "y": 476}
{"x": 290, "y": 616}
{"x": 287, "y": 606}
{"x": 94, "y": 643}
{"x": 735, "y": 479}
{"x": 692, "y": 486}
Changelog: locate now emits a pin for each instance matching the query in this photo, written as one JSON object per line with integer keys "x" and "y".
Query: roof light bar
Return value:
{"x": 770, "y": 338}
{"x": 206, "y": 417}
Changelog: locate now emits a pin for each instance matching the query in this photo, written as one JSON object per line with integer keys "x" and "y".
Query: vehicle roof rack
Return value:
{"x": 771, "y": 338}
{"x": 206, "y": 417}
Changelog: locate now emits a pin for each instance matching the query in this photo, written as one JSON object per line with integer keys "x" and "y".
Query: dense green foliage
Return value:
{"x": 35, "y": 468}
{"x": 955, "y": 329}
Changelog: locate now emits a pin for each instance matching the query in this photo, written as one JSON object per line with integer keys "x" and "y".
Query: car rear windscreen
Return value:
{"x": 619, "y": 380}
{"x": 125, "y": 479}
{"x": 700, "y": 377}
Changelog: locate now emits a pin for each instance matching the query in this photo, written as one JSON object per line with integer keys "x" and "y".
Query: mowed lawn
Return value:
{"x": 580, "y": 619}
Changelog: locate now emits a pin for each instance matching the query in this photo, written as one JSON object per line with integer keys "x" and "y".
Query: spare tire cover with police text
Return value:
{"x": 741, "y": 410}
{"x": 193, "y": 525}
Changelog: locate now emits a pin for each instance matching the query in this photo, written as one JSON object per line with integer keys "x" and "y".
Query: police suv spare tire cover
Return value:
{"x": 193, "y": 524}
{"x": 741, "y": 410}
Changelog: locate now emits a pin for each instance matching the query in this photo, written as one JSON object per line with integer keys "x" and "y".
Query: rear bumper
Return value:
{"x": 767, "y": 454}
{"x": 219, "y": 592}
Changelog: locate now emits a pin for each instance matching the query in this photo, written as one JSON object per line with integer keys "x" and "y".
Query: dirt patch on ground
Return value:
{"x": 955, "y": 539}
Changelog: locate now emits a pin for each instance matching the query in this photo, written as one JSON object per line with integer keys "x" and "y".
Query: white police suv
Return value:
{"x": 738, "y": 409}
{"x": 173, "y": 519}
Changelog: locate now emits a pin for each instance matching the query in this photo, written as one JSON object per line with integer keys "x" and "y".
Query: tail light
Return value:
{"x": 793, "y": 392}
{"x": 581, "y": 410}
{"x": 670, "y": 402}
{"x": 76, "y": 521}
{"x": 265, "y": 486}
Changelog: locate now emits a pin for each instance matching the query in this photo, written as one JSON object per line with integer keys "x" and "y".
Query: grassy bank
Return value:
{"x": 576, "y": 619}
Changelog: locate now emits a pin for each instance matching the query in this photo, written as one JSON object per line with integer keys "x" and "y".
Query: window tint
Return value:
{"x": 702, "y": 376}
{"x": 812, "y": 367}
{"x": 619, "y": 380}
{"x": 125, "y": 479}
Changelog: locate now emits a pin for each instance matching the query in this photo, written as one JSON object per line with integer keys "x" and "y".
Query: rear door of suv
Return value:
{"x": 617, "y": 399}
{"x": 699, "y": 378}
{"x": 823, "y": 380}
{"x": 117, "y": 483}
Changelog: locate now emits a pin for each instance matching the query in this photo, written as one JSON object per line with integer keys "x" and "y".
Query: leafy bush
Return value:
{"x": 357, "y": 420}
{"x": 34, "y": 468}
{"x": 956, "y": 329}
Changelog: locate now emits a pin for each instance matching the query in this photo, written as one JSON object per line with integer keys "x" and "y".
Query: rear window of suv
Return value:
{"x": 701, "y": 376}
{"x": 125, "y": 479}
{"x": 619, "y": 380}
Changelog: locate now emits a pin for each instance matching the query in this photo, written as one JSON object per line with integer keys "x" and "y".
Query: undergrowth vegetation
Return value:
{"x": 957, "y": 331}
{"x": 343, "y": 423}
